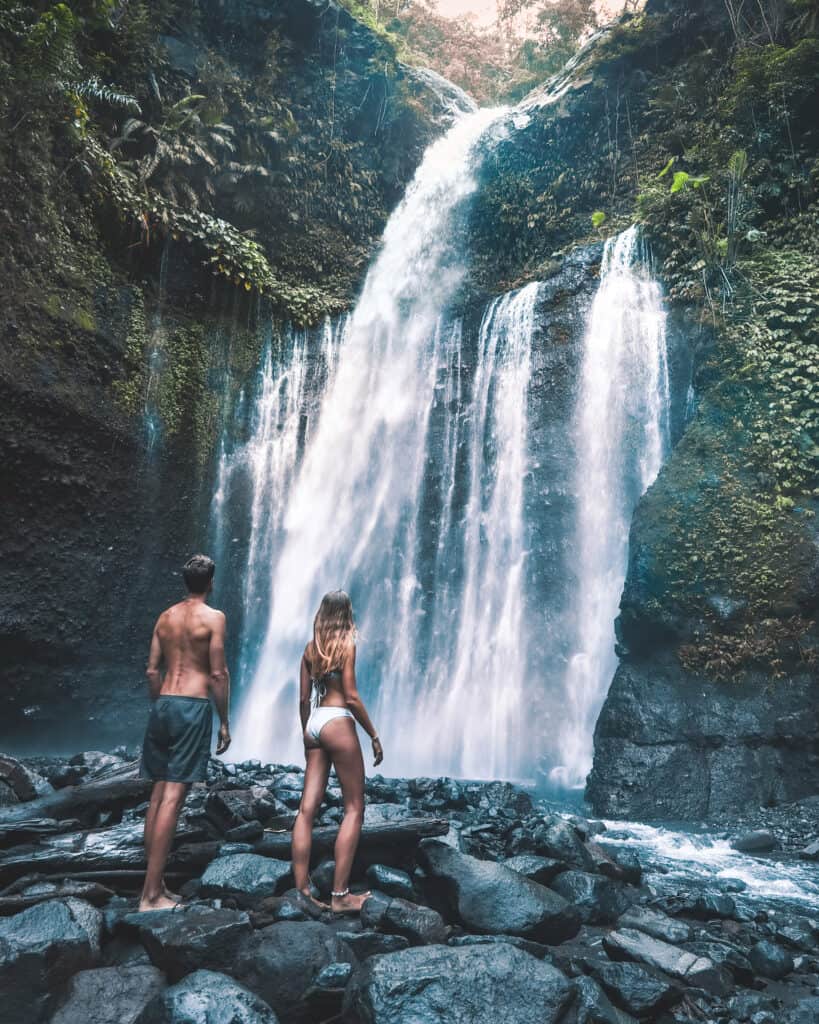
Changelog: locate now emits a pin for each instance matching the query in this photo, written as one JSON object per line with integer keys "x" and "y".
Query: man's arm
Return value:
{"x": 154, "y": 661}
{"x": 220, "y": 680}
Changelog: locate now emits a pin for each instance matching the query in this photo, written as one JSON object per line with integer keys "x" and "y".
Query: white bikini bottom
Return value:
{"x": 319, "y": 717}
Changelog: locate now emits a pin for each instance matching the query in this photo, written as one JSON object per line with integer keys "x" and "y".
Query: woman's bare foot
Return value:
{"x": 161, "y": 902}
{"x": 317, "y": 902}
{"x": 351, "y": 903}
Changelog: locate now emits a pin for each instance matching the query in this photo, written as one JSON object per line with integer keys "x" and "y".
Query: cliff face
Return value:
{"x": 264, "y": 142}
{"x": 713, "y": 148}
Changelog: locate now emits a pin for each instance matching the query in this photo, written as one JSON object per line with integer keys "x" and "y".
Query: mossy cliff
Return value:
{"x": 178, "y": 179}
{"x": 705, "y": 132}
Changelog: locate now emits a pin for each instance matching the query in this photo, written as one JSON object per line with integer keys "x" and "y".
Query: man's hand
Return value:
{"x": 224, "y": 739}
{"x": 378, "y": 752}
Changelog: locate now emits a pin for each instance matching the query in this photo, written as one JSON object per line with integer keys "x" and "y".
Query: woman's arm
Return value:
{"x": 304, "y": 692}
{"x": 354, "y": 702}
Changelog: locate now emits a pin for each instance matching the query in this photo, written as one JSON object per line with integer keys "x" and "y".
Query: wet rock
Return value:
{"x": 799, "y": 933}
{"x": 806, "y": 1011}
{"x": 655, "y": 923}
{"x": 368, "y": 943}
{"x": 704, "y": 906}
{"x": 183, "y": 940}
{"x": 637, "y": 990}
{"x": 230, "y": 809}
{"x": 757, "y": 841}
{"x": 390, "y": 881}
{"x": 21, "y": 896}
{"x": 246, "y": 877}
{"x": 539, "y": 869}
{"x": 281, "y": 962}
{"x": 489, "y": 897}
{"x": 322, "y": 1001}
{"x": 557, "y": 839}
{"x": 40, "y": 948}
{"x": 18, "y": 783}
{"x": 728, "y": 956}
{"x": 770, "y": 960}
{"x": 109, "y": 995}
{"x": 629, "y": 944}
{"x": 811, "y": 851}
{"x": 207, "y": 997}
{"x": 610, "y": 866}
{"x": 592, "y": 1005}
{"x": 533, "y": 948}
{"x": 599, "y": 900}
{"x": 487, "y": 984}
{"x": 417, "y": 924}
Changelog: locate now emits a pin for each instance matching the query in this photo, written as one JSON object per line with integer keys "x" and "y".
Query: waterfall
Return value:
{"x": 622, "y": 435}
{"x": 156, "y": 356}
{"x": 353, "y": 518}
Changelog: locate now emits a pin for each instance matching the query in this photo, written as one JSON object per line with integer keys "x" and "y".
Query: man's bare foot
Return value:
{"x": 161, "y": 902}
{"x": 349, "y": 904}
{"x": 171, "y": 895}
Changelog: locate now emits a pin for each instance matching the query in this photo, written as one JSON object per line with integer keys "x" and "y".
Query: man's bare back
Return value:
{"x": 189, "y": 638}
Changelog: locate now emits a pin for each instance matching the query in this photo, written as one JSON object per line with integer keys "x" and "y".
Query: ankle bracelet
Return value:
{"x": 344, "y": 892}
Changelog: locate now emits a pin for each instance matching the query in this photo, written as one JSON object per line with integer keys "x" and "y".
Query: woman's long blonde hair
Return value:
{"x": 334, "y": 633}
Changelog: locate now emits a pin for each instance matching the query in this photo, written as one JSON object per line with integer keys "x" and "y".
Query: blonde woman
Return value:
{"x": 329, "y": 706}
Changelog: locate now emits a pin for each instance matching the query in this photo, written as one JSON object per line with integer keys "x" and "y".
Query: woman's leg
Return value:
{"x": 340, "y": 739}
{"x": 315, "y": 783}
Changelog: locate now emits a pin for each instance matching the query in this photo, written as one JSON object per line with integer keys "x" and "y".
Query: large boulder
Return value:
{"x": 637, "y": 990}
{"x": 183, "y": 940}
{"x": 599, "y": 900}
{"x": 484, "y": 984}
{"x": 654, "y": 922}
{"x": 489, "y": 897}
{"x": 367, "y": 943}
{"x": 629, "y": 944}
{"x": 770, "y": 960}
{"x": 40, "y": 948}
{"x": 281, "y": 962}
{"x": 206, "y": 997}
{"x": 109, "y": 995}
{"x": 592, "y": 1005}
{"x": 245, "y": 877}
{"x": 417, "y": 924}
{"x": 539, "y": 869}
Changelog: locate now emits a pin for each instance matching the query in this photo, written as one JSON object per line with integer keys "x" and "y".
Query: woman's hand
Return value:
{"x": 378, "y": 752}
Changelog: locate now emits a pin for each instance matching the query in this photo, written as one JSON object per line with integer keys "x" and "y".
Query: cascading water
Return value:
{"x": 353, "y": 513}
{"x": 622, "y": 430}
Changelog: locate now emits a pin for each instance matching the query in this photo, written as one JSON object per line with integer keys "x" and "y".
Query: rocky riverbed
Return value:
{"x": 488, "y": 905}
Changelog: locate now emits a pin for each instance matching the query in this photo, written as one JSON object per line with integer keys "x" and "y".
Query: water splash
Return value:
{"x": 354, "y": 505}
{"x": 622, "y": 430}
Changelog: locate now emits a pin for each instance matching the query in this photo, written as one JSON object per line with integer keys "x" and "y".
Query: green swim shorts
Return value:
{"x": 177, "y": 740}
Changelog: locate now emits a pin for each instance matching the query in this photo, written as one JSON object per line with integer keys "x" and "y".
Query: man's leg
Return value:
{"x": 160, "y": 836}
{"x": 150, "y": 815}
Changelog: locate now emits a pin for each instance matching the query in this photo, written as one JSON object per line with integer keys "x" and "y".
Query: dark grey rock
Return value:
{"x": 599, "y": 900}
{"x": 206, "y": 997}
{"x": 40, "y": 948}
{"x": 417, "y": 924}
{"x": 322, "y": 876}
{"x": 670, "y": 746}
{"x": 368, "y": 943}
{"x": 533, "y": 948}
{"x": 488, "y": 897}
{"x": 280, "y": 963}
{"x": 757, "y": 841}
{"x": 728, "y": 956}
{"x": 557, "y": 839}
{"x": 811, "y": 851}
{"x": 109, "y": 995}
{"x": 770, "y": 960}
{"x": 486, "y": 984}
{"x": 637, "y": 990}
{"x": 247, "y": 877}
{"x": 183, "y": 940}
{"x": 654, "y": 922}
{"x": 392, "y": 881}
{"x": 623, "y": 867}
{"x": 593, "y": 1005}
{"x": 539, "y": 869}
{"x": 629, "y": 944}
{"x": 798, "y": 933}
{"x": 806, "y": 1011}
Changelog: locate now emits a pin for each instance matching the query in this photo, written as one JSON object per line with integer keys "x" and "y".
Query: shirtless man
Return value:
{"x": 189, "y": 637}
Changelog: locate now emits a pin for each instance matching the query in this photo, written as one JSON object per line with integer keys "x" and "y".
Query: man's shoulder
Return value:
{"x": 215, "y": 616}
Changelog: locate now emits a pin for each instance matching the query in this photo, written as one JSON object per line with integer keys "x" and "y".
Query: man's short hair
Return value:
{"x": 198, "y": 572}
